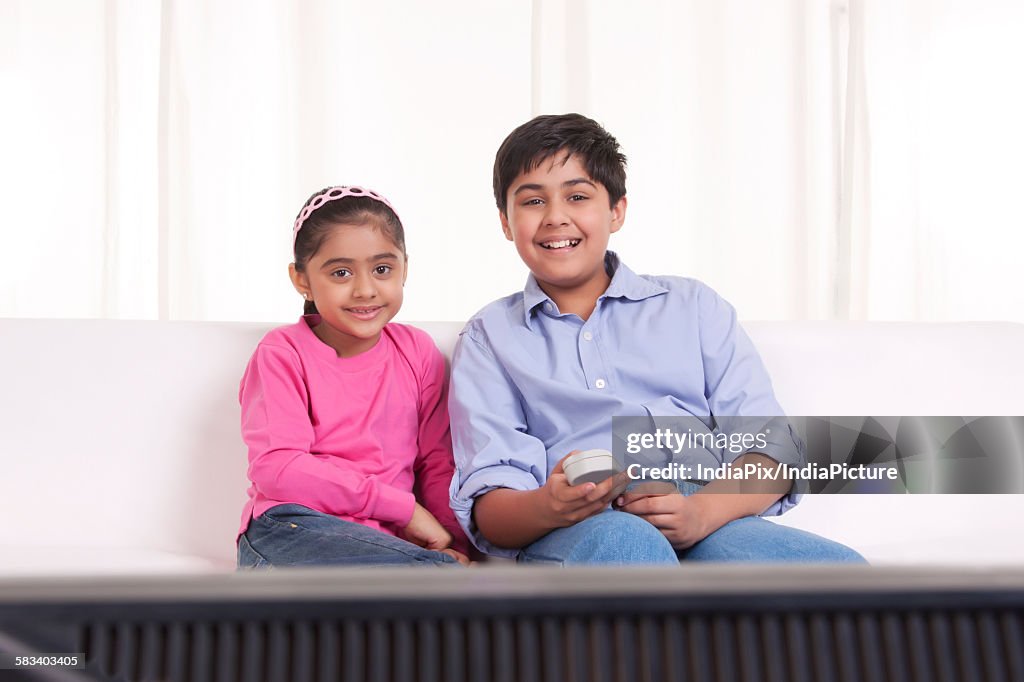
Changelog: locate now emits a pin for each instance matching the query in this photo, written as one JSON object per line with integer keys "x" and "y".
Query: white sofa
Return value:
{"x": 120, "y": 447}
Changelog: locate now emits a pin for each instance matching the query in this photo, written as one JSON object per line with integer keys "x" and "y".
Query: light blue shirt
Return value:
{"x": 530, "y": 384}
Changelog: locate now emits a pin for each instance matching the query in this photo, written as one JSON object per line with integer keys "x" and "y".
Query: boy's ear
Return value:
{"x": 299, "y": 280}
{"x": 505, "y": 226}
{"x": 618, "y": 214}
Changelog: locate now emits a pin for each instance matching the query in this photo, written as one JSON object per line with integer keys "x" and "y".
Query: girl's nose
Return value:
{"x": 364, "y": 286}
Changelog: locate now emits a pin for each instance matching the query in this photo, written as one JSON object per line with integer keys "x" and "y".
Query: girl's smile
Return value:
{"x": 355, "y": 279}
{"x": 365, "y": 313}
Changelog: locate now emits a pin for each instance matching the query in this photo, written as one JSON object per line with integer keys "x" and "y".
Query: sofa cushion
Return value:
{"x": 123, "y": 436}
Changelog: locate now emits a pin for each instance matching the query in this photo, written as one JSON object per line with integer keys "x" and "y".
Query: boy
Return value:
{"x": 538, "y": 375}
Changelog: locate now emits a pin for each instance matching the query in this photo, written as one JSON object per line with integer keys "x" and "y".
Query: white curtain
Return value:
{"x": 810, "y": 159}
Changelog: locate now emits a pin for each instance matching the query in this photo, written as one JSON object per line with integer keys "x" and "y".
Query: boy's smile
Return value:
{"x": 560, "y": 221}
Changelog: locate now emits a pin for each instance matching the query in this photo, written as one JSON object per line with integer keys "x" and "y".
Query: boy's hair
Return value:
{"x": 347, "y": 211}
{"x": 537, "y": 140}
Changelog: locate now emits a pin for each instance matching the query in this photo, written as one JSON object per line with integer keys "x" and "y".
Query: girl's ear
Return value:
{"x": 405, "y": 271}
{"x": 300, "y": 281}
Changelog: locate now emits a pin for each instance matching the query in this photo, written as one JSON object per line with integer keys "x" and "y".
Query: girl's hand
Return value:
{"x": 424, "y": 530}
{"x": 682, "y": 520}
{"x": 564, "y": 505}
{"x": 458, "y": 556}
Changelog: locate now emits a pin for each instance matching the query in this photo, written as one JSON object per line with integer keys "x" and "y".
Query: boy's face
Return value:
{"x": 560, "y": 221}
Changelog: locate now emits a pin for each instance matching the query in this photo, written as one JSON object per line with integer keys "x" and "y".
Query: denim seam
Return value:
{"x": 277, "y": 522}
{"x": 268, "y": 515}
{"x": 262, "y": 563}
{"x": 348, "y": 536}
{"x": 541, "y": 558}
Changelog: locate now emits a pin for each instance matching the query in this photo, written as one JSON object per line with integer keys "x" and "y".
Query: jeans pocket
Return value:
{"x": 248, "y": 557}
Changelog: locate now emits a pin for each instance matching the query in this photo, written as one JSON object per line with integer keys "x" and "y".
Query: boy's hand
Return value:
{"x": 680, "y": 519}
{"x": 686, "y": 520}
{"x": 424, "y": 530}
{"x": 565, "y": 505}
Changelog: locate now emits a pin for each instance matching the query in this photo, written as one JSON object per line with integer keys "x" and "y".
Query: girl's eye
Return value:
{"x": 382, "y": 269}
{"x": 341, "y": 273}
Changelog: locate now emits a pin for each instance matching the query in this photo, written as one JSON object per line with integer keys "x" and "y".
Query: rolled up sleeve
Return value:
{"x": 491, "y": 446}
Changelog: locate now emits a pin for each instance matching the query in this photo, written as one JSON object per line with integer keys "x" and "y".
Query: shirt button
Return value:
{"x": 587, "y": 336}
{"x": 599, "y": 383}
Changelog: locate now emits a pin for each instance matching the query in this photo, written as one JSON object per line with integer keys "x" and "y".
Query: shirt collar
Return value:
{"x": 625, "y": 284}
{"x": 533, "y": 296}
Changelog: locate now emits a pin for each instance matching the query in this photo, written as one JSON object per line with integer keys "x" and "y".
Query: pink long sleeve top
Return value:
{"x": 360, "y": 438}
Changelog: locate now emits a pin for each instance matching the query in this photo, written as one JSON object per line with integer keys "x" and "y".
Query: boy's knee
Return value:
{"x": 841, "y": 554}
{"x": 616, "y": 537}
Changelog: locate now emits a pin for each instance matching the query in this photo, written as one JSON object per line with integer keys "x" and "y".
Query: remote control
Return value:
{"x": 590, "y": 466}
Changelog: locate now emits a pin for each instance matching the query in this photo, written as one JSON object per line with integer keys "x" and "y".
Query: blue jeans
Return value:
{"x": 293, "y": 535}
{"x": 615, "y": 537}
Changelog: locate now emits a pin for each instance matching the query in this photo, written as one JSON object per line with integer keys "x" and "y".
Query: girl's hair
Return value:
{"x": 349, "y": 210}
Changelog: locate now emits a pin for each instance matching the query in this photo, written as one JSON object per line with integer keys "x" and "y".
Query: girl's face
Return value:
{"x": 356, "y": 281}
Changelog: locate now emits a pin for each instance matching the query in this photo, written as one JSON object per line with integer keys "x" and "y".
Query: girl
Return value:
{"x": 344, "y": 413}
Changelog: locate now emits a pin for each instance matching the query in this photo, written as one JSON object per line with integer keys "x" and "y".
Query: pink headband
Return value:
{"x": 333, "y": 194}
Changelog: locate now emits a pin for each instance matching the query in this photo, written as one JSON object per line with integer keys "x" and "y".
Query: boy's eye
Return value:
{"x": 533, "y": 202}
{"x": 382, "y": 269}
{"x": 578, "y": 197}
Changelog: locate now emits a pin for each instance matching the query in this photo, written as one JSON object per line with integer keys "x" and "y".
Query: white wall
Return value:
{"x": 810, "y": 159}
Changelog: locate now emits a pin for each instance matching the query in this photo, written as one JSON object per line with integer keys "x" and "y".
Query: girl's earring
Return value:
{"x": 305, "y": 296}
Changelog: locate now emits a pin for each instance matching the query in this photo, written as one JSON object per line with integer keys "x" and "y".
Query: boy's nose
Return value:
{"x": 555, "y": 216}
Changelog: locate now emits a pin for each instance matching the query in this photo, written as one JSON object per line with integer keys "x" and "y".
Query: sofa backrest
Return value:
{"x": 126, "y": 433}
